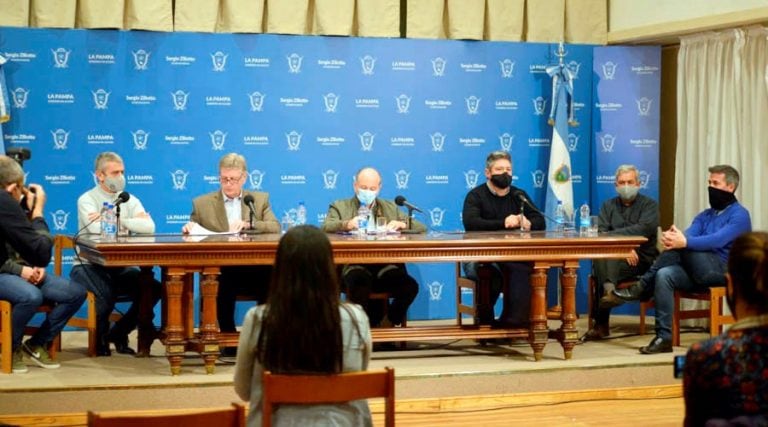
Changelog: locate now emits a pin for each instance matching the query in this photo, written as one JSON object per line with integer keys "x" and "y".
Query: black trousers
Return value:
{"x": 614, "y": 271}
{"x": 233, "y": 281}
{"x": 358, "y": 281}
{"x": 514, "y": 278}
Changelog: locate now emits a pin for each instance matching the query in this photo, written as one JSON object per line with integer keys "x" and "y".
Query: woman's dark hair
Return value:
{"x": 748, "y": 267}
{"x": 302, "y": 325}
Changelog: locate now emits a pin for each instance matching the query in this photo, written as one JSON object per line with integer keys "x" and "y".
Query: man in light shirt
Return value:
{"x": 109, "y": 283}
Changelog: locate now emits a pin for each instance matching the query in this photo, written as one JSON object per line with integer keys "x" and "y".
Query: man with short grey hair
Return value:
{"x": 627, "y": 214}
{"x": 226, "y": 210}
{"x": 110, "y": 283}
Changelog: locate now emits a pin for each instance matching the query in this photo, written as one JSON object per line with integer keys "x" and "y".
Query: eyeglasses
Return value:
{"x": 229, "y": 180}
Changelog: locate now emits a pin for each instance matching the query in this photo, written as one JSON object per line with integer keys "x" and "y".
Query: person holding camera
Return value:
{"x": 724, "y": 378}
{"x": 25, "y": 251}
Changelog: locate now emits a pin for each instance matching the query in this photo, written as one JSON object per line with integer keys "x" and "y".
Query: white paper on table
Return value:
{"x": 199, "y": 230}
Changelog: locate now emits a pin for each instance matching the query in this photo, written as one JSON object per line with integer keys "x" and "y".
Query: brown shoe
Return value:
{"x": 597, "y": 333}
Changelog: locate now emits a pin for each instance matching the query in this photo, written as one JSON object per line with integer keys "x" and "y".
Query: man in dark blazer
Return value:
{"x": 227, "y": 210}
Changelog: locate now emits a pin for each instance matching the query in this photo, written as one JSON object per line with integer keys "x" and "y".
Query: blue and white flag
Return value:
{"x": 5, "y": 106}
{"x": 559, "y": 184}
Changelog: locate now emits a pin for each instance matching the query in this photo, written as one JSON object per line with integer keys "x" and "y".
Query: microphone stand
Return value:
{"x": 117, "y": 221}
{"x": 250, "y": 219}
{"x": 410, "y": 219}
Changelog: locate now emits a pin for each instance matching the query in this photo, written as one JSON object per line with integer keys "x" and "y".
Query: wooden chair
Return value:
{"x": 594, "y": 298}
{"x": 232, "y": 416}
{"x": 469, "y": 284}
{"x": 715, "y": 313}
{"x": 6, "y": 335}
{"x": 326, "y": 389}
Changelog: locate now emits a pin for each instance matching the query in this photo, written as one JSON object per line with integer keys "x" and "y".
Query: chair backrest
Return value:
{"x": 232, "y": 416}
{"x": 60, "y": 243}
{"x": 324, "y": 389}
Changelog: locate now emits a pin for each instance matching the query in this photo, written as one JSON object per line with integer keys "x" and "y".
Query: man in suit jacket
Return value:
{"x": 225, "y": 210}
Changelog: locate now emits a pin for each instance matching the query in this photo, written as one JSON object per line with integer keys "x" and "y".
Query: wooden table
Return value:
{"x": 181, "y": 255}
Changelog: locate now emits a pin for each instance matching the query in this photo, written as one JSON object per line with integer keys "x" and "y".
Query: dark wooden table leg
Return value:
{"x": 175, "y": 344}
{"x": 209, "y": 330}
{"x": 568, "y": 332}
{"x": 537, "y": 335}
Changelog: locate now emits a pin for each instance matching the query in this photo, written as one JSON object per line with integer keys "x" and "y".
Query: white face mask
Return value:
{"x": 627, "y": 192}
{"x": 115, "y": 184}
{"x": 366, "y": 197}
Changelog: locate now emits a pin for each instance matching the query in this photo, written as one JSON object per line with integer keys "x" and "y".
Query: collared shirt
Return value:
{"x": 233, "y": 208}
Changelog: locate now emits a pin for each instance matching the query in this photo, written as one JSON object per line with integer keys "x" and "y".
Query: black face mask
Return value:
{"x": 501, "y": 180}
{"x": 720, "y": 199}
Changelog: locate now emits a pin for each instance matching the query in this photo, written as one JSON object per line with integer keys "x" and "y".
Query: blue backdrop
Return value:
{"x": 307, "y": 112}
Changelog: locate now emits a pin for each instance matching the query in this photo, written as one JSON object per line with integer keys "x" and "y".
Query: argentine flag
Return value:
{"x": 5, "y": 106}
{"x": 559, "y": 185}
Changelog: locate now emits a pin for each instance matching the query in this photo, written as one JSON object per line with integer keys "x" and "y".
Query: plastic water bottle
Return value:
{"x": 584, "y": 219}
{"x": 301, "y": 214}
{"x": 103, "y": 219}
{"x": 363, "y": 214}
{"x": 559, "y": 217}
{"x": 111, "y": 223}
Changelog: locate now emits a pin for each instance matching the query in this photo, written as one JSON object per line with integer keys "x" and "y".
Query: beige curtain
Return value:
{"x": 151, "y": 15}
{"x": 722, "y": 105}
{"x": 378, "y": 18}
{"x": 52, "y": 13}
{"x": 333, "y": 17}
{"x": 196, "y": 15}
{"x": 100, "y": 13}
{"x": 240, "y": 16}
{"x": 586, "y": 21}
{"x": 573, "y": 21}
{"x": 15, "y": 13}
{"x": 424, "y": 19}
{"x": 504, "y": 20}
{"x": 288, "y": 17}
{"x": 545, "y": 21}
{"x": 466, "y": 19}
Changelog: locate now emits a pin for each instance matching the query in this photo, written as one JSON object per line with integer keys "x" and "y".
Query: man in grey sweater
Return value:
{"x": 108, "y": 283}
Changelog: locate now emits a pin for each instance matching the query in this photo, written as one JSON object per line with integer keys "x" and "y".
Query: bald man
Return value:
{"x": 358, "y": 281}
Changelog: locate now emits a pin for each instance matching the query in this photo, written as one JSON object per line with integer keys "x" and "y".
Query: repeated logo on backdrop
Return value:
{"x": 309, "y": 112}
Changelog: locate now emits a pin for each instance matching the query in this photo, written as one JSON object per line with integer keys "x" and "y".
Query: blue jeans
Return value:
{"x": 26, "y": 298}
{"x": 683, "y": 270}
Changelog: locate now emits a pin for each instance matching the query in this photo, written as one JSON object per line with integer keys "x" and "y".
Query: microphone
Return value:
{"x": 524, "y": 200}
{"x": 248, "y": 200}
{"x": 400, "y": 201}
{"x": 122, "y": 198}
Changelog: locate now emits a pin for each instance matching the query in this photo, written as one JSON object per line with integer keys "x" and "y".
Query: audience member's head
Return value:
{"x": 302, "y": 326}
{"x": 747, "y": 290}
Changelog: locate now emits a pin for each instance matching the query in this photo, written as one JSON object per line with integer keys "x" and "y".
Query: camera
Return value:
{"x": 679, "y": 365}
{"x": 19, "y": 154}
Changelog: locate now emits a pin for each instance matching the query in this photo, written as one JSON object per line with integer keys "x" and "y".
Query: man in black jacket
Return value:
{"x": 25, "y": 283}
{"x": 498, "y": 205}
{"x": 627, "y": 214}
